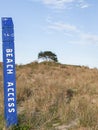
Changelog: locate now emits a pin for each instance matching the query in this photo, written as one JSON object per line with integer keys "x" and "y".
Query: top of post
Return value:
{"x": 7, "y": 22}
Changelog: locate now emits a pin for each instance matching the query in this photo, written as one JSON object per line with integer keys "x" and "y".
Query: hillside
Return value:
{"x": 52, "y": 96}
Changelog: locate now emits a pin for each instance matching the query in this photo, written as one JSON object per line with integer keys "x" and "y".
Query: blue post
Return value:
{"x": 10, "y": 105}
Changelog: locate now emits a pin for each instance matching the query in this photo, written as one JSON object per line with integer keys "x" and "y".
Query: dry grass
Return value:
{"x": 1, "y": 99}
{"x": 50, "y": 94}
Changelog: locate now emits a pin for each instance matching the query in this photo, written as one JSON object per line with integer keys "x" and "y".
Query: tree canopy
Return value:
{"x": 48, "y": 56}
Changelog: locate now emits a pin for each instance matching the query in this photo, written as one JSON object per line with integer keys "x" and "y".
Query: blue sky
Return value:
{"x": 69, "y": 28}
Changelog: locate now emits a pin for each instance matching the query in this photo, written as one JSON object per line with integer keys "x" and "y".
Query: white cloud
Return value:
{"x": 56, "y": 2}
{"x": 83, "y": 4}
{"x": 61, "y": 4}
{"x": 91, "y": 38}
{"x": 85, "y": 38}
{"x": 63, "y": 27}
{"x": 74, "y": 3}
{"x": 73, "y": 33}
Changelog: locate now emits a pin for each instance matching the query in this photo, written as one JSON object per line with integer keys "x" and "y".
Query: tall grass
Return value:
{"x": 50, "y": 94}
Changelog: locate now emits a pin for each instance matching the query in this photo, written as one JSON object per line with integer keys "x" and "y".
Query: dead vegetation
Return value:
{"x": 50, "y": 95}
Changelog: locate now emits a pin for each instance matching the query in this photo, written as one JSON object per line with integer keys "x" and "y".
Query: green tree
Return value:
{"x": 48, "y": 56}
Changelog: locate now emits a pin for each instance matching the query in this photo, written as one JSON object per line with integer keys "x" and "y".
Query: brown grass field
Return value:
{"x": 53, "y": 96}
